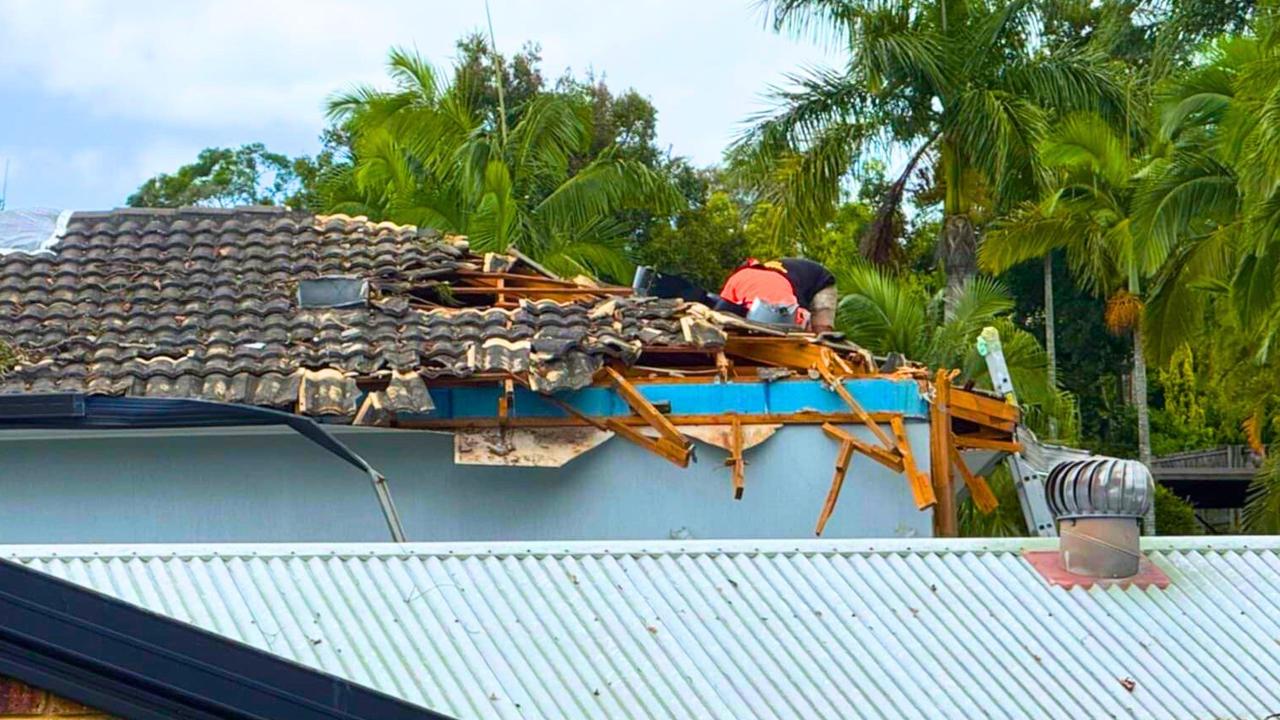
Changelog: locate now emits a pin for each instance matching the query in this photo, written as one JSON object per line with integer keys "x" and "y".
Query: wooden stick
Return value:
{"x": 945, "y": 522}
{"x": 979, "y": 490}
{"x": 837, "y": 484}
{"x": 921, "y": 488}
{"x": 679, "y": 455}
{"x": 735, "y": 459}
{"x": 645, "y": 409}
{"x": 505, "y": 402}
{"x": 806, "y": 417}
{"x": 888, "y": 458}
{"x": 976, "y": 442}
{"x": 843, "y": 392}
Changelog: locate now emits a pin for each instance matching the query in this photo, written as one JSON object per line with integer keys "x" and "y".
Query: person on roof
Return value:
{"x": 803, "y": 286}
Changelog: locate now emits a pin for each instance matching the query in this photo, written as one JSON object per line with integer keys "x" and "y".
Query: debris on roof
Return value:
{"x": 360, "y": 321}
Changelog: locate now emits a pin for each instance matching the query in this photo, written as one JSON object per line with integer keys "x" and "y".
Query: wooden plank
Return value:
{"x": 888, "y": 458}
{"x": 796, "y": 353}
{"x": 977, "y": 442}
{"x": 506, "y": 401}
{"x": 645, "y": 409}
{"x": 807, "y": 417}
{"x": 971, "y": 402}
{"x": 837, "y": 484}
{"x": 661, "y": 446}
{"x": 979, "y": 490}
{"x": 555, "y": 291}
{"x": 838, "y": 387}
{"x": 945, "y": 522}
{"x": 735, "y": 459}
{"x": 983, "y": 419}
{"x": 921, "y": 488}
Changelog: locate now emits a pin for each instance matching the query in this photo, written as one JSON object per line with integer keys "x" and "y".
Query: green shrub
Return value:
{"x": 1174, "y": 516}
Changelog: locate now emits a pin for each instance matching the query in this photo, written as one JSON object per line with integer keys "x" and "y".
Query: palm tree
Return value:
{"x": 885, "y": 313}
{"x": 1088, "y": 211}
{"x": 967, "y": 86}
{"x": 424, "y": 154}
{"x": 1215, "y": 195}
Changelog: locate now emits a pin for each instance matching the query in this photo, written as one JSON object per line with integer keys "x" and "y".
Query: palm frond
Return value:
{"x": 492, "y": 224}
{"x": 1085, "y": 141}
{"x": 1253, "y": 288}
{"x": 412, "y": 74}
{"x": 1068, "y": 80}
{"x": 1175, "y": 306}
{"x": 997, "y": 133}
{"x": 1183, "y": 197}
{"x": 607, "y": 185}
{"x": 1030, "y": 231}
{"x": 880, "y": 313}
{"x": 548, "y": 134}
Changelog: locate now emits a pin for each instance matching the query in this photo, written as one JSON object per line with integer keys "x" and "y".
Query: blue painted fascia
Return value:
{"x": 778, "y": 397}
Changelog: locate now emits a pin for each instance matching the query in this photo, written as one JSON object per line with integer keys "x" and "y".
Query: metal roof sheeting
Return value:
{"x": 731, "y": 629}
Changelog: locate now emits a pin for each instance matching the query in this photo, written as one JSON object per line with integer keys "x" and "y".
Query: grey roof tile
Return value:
{"x": 201, "y": 303}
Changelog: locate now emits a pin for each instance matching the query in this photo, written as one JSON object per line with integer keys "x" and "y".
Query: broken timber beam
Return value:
{"x": 979, "y": 490}
{"x": 888, "y": 458}
{"x": 678, "y": 453}
{"x": 977, "y": 442}
{"x": 945, "y": 522}
{"x": 838, "y": 387}
{"x": 645, "y": 409}
{"x": 735, "y": 459}
{"x": 837, "y": 483}
{"x": 921, "y": 487}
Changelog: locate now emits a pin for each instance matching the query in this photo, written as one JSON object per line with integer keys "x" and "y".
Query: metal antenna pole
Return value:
{"x": 497, "y": 59}
{"x": 4, "y": 184}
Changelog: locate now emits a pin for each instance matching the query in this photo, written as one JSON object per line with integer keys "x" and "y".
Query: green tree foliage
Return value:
{"x": 966, "y": 88}
{"x": 1005, "y": 521}
{"x": 1262, "y": 514}
{"x": 1174, "y": 516}
{"x": 225, "y": 177}
{"x": 703, "y": 245}
{"x": 1182, "y": 424}
{"x": 437, "y": 154}
{"x": 886, "y": 313}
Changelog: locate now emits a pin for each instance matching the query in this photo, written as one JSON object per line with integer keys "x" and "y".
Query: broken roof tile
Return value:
{"x": 200, "y": 302}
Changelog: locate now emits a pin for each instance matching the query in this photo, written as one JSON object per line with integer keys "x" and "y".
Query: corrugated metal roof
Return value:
{"x": 731, "y": 629}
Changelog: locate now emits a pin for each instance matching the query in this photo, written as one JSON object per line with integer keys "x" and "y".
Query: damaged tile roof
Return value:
{"x": 204, "y": 303}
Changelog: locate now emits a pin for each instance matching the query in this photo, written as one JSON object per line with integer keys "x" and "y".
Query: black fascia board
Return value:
{"x": 135, "y": 664}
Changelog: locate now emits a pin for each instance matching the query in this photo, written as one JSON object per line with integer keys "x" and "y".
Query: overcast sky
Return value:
{"x": 100, "y": 95}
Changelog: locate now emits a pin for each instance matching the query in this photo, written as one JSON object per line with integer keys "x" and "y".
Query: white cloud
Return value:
{"x": 246, "y": 65}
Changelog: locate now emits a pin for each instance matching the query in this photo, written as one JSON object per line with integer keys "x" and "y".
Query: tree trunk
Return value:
{"x": 1144, "y": 415}
{"x": 959, "y": 245}
{"x": 1050, "y": 332}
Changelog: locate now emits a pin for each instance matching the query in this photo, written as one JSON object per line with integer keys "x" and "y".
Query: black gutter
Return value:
{"x": 135, "y": 664}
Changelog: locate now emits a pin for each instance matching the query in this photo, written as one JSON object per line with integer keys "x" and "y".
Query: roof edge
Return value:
{"x": 864, "y": 546}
